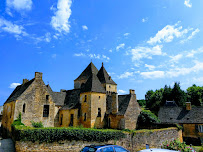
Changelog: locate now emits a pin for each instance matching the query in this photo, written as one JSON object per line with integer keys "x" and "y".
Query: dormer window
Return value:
{"x": 109, "y": 77}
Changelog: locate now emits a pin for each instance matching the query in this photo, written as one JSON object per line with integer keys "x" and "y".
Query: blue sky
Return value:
{"x": 144, "y": 44}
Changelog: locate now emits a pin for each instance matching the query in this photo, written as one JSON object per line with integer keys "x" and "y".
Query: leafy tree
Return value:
{"x": 195, "y": 95}
{"x": 142, "y": 102}
{"x": 178, "y": 95}
{"x": 167, "y": 95}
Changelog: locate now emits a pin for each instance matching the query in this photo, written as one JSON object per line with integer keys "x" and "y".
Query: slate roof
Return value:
{"x": 171, "y": 103}
{"x": 18, "y": 91}
{"x": 93, "y": 85}
{"x": 58, "y": 97}
{"x": 174, "y": 114}
{"x": 123, "y": 102}
{"x": 87, "y": 72}
{"x": 104, "y": 76}
{"x": 72, "y": 99}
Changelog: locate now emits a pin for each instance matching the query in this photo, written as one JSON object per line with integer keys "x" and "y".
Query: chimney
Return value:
{"x": 188, "y": 106}
{"x": 38, "y": 76}
{"x": 131, "y": 91}
{"x": 25, "y": 81}
{"x": 114, "y": 103}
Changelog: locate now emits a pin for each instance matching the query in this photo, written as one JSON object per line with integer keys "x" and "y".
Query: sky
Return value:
{"x": 144, "y": 44}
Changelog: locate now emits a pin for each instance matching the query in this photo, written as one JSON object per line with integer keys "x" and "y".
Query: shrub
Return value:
{"x": 176, "y": 145}
{"x": 37, "y": 124}
{"x": 17, "y": 121}
{"x": 56, "y": 134}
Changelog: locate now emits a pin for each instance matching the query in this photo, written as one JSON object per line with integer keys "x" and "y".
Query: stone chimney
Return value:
{"x": 131, "y": 91}
{"x": 38, "y": 76}
{"x": 188, "y": 106}
{"x": 114, "y": 103}
{"x": 25, "y": 81}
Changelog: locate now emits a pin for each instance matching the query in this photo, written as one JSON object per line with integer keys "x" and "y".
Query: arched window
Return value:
{"x": 24, "y": 108}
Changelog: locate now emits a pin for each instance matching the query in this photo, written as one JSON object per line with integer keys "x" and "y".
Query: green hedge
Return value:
{"x": 56, "y": 134}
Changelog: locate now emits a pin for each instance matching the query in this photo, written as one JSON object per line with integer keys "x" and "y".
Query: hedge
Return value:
{"x": 24, "y": 133}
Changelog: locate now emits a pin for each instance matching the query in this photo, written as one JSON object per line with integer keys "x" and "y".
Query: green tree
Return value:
{"x": 195, "y": 95}
{"x": 178, "y": 95}
{"x": 167, "y": 95}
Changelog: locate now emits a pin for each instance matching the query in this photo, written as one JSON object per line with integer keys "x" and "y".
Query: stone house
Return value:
{"x": 190, "y": 118}
{"x": 94, "y": 102}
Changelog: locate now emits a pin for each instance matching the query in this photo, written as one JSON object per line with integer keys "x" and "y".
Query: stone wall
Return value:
{"x": 132, "y": 142}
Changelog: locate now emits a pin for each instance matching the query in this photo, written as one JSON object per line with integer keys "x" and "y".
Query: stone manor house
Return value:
{"x": 94, "y": 102}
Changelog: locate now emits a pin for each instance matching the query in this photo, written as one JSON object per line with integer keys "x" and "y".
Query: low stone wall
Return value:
{"x": 133, "y": 142}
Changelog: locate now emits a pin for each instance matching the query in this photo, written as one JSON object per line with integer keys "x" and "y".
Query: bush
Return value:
{"x": 17, "y": 121}
{"x": 37, "y": 124}
{"x": 176, "y": 145}
{"x": 147, "y": 119}
{"x": 57, "y": 134}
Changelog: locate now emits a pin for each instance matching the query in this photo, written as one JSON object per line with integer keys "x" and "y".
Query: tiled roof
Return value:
{"x": 72, "y": 99}
{"x": 169, "y": 114}
{"x": 93, "y": 85}
{"x": 18, "y": 91}
{"x": 58, "y": 97}
{"x": 87, "y": 72}
{"x": 123, "y": 102}
{"x": 104, "y": 76}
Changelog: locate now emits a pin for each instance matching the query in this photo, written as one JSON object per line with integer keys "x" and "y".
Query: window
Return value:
{"x": 109, "y": 123}
{"x": 24, "y": 107}
{"x": 85, "y": 98}
{"x": 99, "y": 112}
{"x": 46, "y": 111}
{"x": 99, "y": 97}
{"x": 71, "y": 120}
{"x": 200, "y": 128}
{"x": 61, "y": 122}
{"x": 47, "y": 97}
{"x": 109, "y": 86}
{"x": 120, "y": 149}
{"x": 108, "y": 149}
{"x": 85, "y": 117}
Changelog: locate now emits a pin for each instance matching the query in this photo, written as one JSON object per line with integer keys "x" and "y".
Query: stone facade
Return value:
{"x": 133, "y": 143}
{"x": 93, "y": 102}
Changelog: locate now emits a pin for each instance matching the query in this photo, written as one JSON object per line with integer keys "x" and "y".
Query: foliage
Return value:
{"x": 176, "y": 145}
{"x": 195, "y": 95}
{"x": 142, "y": 102}
{"x": 37, "y": 124}
{"x": 57, "y": 134}
{"x": 179, "y": 127}
{"x": 147, "y": 118}
{"x": 17, "y": 121}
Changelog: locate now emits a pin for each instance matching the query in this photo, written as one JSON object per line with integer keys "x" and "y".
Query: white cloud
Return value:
{"x": 175, "y": 72}
{"x": 19, "y": 5}
{"x": 191, "y": 36}
{"x": 176, "y": 58}
{"x": 152, "y": 75}
{"x": 60, "y": 21}
{"x": 144, "y": 20}
{"x": 14, "y": 85}
{"x": 79, "y": 54}
{"x": 126, "y": 34}
{"x": 84, "y": 27}
{"x": 120, "y": 46}
{"x": 110, "y": 50}
{"x": 198, "y": 81}
{"x": 121, "y": 92}
{"x": 125, "y": 75}
{"x": 150, "y": 67}
{"x": 146, "y": 52}
{"x": 48, "y": 37}
{"x": 187, "y": 3}
{"x": 168, "y": 33}
{"x": 12, "y": 28}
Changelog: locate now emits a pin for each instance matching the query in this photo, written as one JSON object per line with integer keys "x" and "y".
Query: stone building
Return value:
{"x": 93, "y": 102}
{"x": 190, "y": 118}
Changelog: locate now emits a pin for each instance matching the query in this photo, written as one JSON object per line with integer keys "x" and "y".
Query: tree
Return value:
{"x": 178, "y": 95}
{"x": 167, "y": 95}
{"x": 195, "y": 95}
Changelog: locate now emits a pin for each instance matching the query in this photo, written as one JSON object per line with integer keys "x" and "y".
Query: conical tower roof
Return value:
{"x": 87, "y": 72}
{"x": 104, "y": 76}
{"x": 93, "y": 85}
